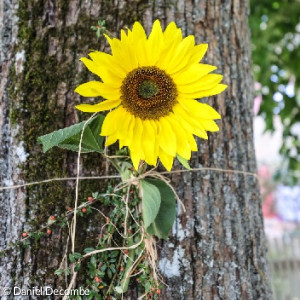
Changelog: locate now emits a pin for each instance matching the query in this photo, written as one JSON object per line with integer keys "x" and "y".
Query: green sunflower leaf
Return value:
{"x": 150, "y": 202}
{"x": 119, "y": 289}
{"x": 165, "y": 218}
{"x": 184, "y": 162}
{"x": 69, "y": 138}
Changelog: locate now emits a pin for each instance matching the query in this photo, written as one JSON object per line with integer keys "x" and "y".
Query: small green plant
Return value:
{"x": 100, "y": 28}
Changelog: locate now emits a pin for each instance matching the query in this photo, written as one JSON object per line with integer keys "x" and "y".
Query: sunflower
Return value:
{"x": 150, "y": 85}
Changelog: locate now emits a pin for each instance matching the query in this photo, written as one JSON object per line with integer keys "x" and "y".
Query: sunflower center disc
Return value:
{"x": 148, "y": 93}
{"x": 147, "y": 89}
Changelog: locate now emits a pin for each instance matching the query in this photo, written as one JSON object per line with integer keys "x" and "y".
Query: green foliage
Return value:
{"x": 183, "y": 161}
{"x": 158, "y": 207}
{"x": 73, "y": 257}
{"x": 69, "y": 137}
{"x": 165, "y": 218}
{"x": 111, "y": 272}
{"x": 275, "y": 30}
{"x": 150, "y": 202}
{"x": 59, "y": 272}
{"x": 100, "y": 28}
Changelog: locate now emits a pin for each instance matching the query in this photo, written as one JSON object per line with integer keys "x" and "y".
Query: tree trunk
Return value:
{"x": 217, "y": 248}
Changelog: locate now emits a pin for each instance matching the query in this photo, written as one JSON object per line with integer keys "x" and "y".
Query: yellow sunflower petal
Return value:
{"x": 192, "y": 142}
{"x": 135, "y": 158}
{"x": 123, "y": 122}
{"x": 117, "y": 49}
{"x": 193, "y": 74}
{"x": 180, "y": 56}
{"x": 140, "y": 44}
{"x": 172, "y": 37}
{"x": 166, "y": 159}
{"x": 142, "y": 53}
{"x": 189, "y": 122}
{"x": 182, "y": 146}
{"x": 108, "y": 67}
{"x": 209, "y": 125}
{"x": 136, "y": 151}
{"x": 105, "y": 105}
{"x": 205, "y": 83}
{"x": 138, "y": 31}
{"x": 188, "y": 136}
{"x": 148, "y": 142}
{"x": 156, "y": 146}
{"x": 104, "y": 71}
{"x": 115, "y": 45}
{"x": 129, "y": 135}
{"x": 172, "y": 31}
{"x": 91, "y": 66}
{"x": 219, "y": 88}
{"x": 128, "y": 49}
{"x": 89, "y": 89}
{"x": 109, "y": 125}
{"x": 155, "y": 43}
{"x": 201, "y": 110}
{"x": 167, "y": 137}
{"x": 96, "y": 88}
{"x": 124, "y": 36}
{"x": 198, "y": 53}
{"x": 111, "y": 139}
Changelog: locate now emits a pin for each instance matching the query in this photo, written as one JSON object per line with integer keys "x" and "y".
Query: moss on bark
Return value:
{"x": 37, "y": 108}
{"x": 53, "y": 35}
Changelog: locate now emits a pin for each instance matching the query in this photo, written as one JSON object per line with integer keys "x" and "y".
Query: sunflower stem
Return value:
{"x": 114, "y": 162}
{"x": 129, "y": 264}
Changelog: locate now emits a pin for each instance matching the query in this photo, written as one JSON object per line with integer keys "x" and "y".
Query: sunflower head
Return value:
{"x": 151, "y": 85}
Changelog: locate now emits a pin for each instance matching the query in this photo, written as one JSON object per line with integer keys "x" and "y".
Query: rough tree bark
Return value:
{"x": 217, "y": 248}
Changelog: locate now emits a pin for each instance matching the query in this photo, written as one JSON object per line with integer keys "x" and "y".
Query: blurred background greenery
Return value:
{"x": 275, "y": 30}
